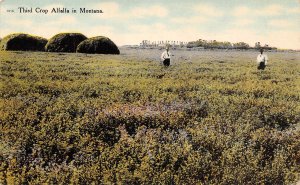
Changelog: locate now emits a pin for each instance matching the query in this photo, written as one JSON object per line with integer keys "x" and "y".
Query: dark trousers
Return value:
{"x": 166, "y": 62}
{"x": 261, "y": 66}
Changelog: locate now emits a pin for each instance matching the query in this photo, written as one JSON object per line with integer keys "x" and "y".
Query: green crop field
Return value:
{"x": 210, "y": 118}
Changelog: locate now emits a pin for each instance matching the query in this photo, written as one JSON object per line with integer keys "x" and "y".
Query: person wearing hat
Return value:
{"x": 166, "y": 57}
{"x": 262, "y": 60}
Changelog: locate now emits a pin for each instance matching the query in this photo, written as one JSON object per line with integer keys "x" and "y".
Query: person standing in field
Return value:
{"x": 262, "y": 60}
{"x": 166, "y": 57}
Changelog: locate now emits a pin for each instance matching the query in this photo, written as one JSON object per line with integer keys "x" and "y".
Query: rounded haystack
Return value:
{"x": 23, "y": 42}
{"x": 65, "y": 42}
{"x": 98, "y": 45}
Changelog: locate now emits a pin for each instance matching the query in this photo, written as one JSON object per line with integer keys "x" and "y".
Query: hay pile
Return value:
{"x": 65, "y": 42}
{"x": 22, "y": 42}
{"x": 99, "y": 45}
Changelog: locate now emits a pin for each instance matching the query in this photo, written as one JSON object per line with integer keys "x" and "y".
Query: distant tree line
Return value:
{"x": 213, "y": 44}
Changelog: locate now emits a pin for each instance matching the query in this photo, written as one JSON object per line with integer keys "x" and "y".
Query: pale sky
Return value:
{"x": 273, "y": 22}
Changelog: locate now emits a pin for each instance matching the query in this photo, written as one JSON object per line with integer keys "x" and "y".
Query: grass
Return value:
{"x": 64, "y": 42}
{"x": 210, "y": 118}
{"x": 23, "y": 42}
{"x": 98, "y": 45}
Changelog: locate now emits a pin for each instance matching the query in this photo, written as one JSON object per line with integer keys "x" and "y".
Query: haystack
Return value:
{"x": 65, "y": 42}
{"x": 99, "y": 45}
{"x": 22, "y": 42}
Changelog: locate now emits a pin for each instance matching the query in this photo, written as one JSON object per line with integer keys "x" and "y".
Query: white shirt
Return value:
{"x": 262, "y": 58}
{"x": 165, "y": 55}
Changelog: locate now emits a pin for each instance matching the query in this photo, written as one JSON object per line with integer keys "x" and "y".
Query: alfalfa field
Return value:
{"x": 209, "y": 118}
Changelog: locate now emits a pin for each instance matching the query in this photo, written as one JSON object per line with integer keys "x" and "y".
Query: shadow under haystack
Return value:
{"x": 98, "y": 45}
{"x": 23, "y": 42}
{"x": 65, "y": 42}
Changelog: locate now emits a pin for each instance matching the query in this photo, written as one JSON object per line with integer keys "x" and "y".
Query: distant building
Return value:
{"x": 265, "y": 46}
{"x": 160, "y": 44}
{"x": 257, "y": 45}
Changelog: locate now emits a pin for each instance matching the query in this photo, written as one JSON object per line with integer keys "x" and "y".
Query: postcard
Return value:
{"x": 149, "y": 92}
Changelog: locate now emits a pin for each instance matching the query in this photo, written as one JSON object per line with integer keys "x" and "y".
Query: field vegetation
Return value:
{"x": 22, "y": 42}
{"x": 210, "y": 118}
{"x": 98, "y": 45}
{"x": 64, "y": 42}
